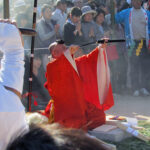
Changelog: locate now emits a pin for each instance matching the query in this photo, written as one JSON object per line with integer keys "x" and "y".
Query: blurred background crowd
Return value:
{"x": 76, "y": 22}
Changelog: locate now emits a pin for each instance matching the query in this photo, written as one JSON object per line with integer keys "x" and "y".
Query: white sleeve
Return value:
{"x": 12, "y": 124}
{"x": 12, "y": 65}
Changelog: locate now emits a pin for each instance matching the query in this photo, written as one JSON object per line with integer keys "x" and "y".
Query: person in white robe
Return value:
{"x": 12, "y": 112}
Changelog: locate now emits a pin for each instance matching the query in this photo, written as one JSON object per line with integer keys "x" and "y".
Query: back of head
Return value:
{"x": 57, "y": 48}
{"x": 35, "y": 139}
{"x": 54, "y": 137}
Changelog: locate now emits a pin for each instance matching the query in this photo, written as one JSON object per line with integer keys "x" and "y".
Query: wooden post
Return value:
{"x": 6, "y": 9}
{"x": 32, "y": 57}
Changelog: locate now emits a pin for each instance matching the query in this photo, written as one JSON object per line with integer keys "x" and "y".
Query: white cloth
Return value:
{"x": 11, "y": 125}
{"x": 12, "y": 114}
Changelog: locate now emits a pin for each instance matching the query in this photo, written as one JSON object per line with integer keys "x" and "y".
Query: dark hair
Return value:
{"x": 20, "y": 17}
{"x": 76, "y": 11}
{"x": 93, "y": 4}
{"x": 35, "y": 139}
{"x": 99, "y": 11}
{"x": 44, "y": 7}
{"x": 54, "y": 137}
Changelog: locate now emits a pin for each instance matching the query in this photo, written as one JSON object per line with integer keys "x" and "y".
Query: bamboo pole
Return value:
{"x": 6, "y": 9}
{"x": 133, "y": 132}
{"x": 32, "y": 58}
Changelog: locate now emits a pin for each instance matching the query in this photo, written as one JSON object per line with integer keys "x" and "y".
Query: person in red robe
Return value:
{"x": 80, "y": 87}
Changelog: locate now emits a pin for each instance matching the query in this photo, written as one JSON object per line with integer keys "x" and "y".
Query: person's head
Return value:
{"x": 75, "y": 14}
{"x": 93, "y": 4}
{"x": 54, "y": 137}
{"x": 136, "y": 3}
{"x": 104, "y": 8}
{"x": 78, "y": 3}
{"x": 62, "y": 5}
{"x": 87, "y": 13}
{"x": 57, "y": 49}
{"x": 100, "y": 17}
{"x": 19, "y": 6}
{"x": 46, "y": 12}
{"x": 22, "y": 19}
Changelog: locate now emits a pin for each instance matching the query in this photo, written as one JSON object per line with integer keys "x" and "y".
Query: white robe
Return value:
{"x": 12, "y": 112}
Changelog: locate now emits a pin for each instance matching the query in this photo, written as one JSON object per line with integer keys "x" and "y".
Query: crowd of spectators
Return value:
{"x": 79, "y": 22}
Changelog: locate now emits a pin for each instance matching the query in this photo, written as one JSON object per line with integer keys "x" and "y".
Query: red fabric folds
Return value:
{"x": 76, "y": 98}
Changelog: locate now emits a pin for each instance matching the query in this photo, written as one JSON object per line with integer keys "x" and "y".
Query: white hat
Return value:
{"x": 87, "y": 9}
{"x": 19, "y": 3}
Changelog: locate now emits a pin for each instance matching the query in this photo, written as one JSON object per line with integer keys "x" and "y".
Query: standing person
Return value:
{"x": 81, "y": 91}
{"x": 12, "y": 112}
{"x": 89, "y": 29}
{"x": 59, "y": 15}
{"x": 78, "y": 3}
{"x": 72, "y": 28}
{"x": 136, "y": 21}
{"x": 47, "y": 32}
{"x": 99, "y": 19}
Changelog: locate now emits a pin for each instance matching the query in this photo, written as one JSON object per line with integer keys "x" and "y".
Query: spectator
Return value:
{"x": 72, "y": 28}
{"x": 69, "y": 7}
{"x": 99, "y": 19}
{"x": 137, "y": 24}
{"x": 78, "y": 3}
{"x": 19, "y": 6}
{"x": 59, "y": 15}
{"x": 92, "y": 4}
{"x": 105, "y": 8}
{"x": 29, "y": 12}
{"x": 89, "y": 29}
{"x": 22, "y": 20}
{"x": 12, "y": 113}
{"x": 47, "y": 31}
{"x": 42, "y": 96}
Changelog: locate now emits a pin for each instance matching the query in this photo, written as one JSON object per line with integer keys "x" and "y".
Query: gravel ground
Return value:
{"x": 130, "y": 106}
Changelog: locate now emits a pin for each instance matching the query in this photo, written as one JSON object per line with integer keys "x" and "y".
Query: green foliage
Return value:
{"x": 134, "y": 143}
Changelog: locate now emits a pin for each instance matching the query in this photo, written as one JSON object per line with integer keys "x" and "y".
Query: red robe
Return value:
{"x": 75, "y": 92}
{"x": 87, "y": 68}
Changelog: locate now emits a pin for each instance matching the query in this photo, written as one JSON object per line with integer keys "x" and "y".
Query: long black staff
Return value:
{"x": 103, "y": 41}
{"x": 32, "y": 57}
{"x": 96, "y": 42}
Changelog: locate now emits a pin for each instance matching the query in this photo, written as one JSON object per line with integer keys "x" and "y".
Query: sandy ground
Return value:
{"x": 130, "y": 106}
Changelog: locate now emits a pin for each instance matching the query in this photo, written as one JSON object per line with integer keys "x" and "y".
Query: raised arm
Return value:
{"x": 12, "y": 65}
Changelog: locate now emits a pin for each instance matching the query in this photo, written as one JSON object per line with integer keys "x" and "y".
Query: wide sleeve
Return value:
{"x": 120, "y": 17}
{"x": 12, "y": 65}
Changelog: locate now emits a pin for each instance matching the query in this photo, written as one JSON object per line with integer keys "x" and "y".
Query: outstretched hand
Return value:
{"x": 13, "y": 22}
{"x": 105, "y": 42}
{"x": 73, "y": 49}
